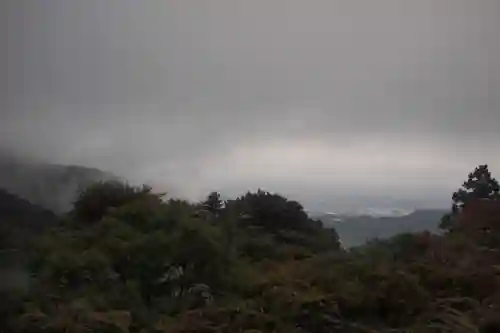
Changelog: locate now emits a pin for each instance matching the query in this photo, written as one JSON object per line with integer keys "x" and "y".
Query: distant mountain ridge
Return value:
{"x": 357, "y": 229}
{"x": 51, "y": 186}
{"x": 12, "y": 207}
{"x": 370, "y": 211}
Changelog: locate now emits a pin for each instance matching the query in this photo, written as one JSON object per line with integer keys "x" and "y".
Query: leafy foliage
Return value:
{"x": 95, "y": 200}
{"x": 126, "y": 261}
{"x": 273, "y": 211}
{"x": 480, "y": 185}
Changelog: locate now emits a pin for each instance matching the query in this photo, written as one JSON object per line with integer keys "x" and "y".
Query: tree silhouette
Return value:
{"x": 213, "y": 204}
{"x": 480, "y": 185}
{"x": 94, "y": 201}
{"x": 273, "y": 211}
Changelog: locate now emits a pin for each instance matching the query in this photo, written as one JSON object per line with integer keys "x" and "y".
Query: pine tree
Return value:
{"x": 480, "y": 185}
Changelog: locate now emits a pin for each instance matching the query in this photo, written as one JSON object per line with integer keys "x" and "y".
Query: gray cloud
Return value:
{"x": 394, "y": 98}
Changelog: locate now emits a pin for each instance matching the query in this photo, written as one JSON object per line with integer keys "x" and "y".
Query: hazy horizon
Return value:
{"x": 334, "y": 103}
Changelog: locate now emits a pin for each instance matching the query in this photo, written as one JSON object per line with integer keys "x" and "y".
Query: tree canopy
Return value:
{"x": 480, "y": 185}
{"x": 123, "y": 260}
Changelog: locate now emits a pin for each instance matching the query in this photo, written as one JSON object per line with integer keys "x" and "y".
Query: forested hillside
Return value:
{"x": 124, "y": 260}
{"x": 357, "y": 230}
{"x": 21, "y": 225}
{"x": 21, "y": 221}
{"x": 51, "y": 186}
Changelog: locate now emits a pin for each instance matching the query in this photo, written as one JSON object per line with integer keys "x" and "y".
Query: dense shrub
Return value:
{"x": 126, "y": 261}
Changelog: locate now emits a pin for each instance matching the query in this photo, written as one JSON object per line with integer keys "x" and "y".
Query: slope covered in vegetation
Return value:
{"x": 357, "y": 230}
{"x": 21, "y": 221}
{"x": 51, "y": 186}
{"x": 124, "y": 260}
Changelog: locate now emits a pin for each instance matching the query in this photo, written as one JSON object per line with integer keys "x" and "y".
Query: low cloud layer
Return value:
{"x": 329, "y": 101}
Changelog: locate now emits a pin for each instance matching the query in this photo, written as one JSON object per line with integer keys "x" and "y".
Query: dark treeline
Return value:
{"x": 126, "y": 260}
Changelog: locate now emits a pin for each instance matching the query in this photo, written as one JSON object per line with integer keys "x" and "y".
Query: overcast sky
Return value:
{"x": 388, "y": 101}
